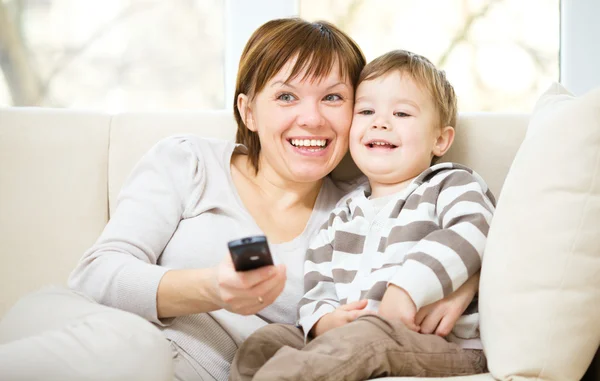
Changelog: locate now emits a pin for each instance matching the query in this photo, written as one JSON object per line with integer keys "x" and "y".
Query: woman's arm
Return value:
{"x": 185, "y": 292}
{"x": 120, "y": 270}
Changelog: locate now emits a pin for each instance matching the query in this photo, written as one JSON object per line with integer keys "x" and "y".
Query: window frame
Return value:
{"x": 579, "y": 54}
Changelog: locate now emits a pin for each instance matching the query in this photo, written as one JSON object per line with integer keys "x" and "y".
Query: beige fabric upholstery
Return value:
{"x": 60, "y": 169}
{"x": 132, "y": 135}
{"x": 58, "y": 335}
{"x": 477, "y": 377}
{"x": 53, "y": 176}
{"x": 485, "y": 142}
{"x": 540, "y": 283}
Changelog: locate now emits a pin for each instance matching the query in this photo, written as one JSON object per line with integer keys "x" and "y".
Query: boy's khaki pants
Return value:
{"x": 366, "y": 348}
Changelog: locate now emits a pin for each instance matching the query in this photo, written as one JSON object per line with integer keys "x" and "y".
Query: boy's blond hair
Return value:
{"x": 424, "y": 73}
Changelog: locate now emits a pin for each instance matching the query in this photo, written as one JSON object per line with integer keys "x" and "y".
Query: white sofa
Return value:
{"x": 61, "y": 170}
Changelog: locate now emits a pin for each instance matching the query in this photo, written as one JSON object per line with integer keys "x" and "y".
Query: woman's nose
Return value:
{"x": 310, "y": 115}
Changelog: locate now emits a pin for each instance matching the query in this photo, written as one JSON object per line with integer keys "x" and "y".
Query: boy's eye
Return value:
{"x": 333, "y": 97}
{"x": 401, "y": 114}
{"x": 366, "y": 112}
{"x": 286, "y": 97}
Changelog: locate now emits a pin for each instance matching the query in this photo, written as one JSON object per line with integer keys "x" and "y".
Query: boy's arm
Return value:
{"x": 442, "y": 261}
{"x": 320, "y": 296}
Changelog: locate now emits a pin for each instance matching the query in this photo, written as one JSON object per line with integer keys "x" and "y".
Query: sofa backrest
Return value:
{"x": 486, "y": 142}
{"x": 61, "y": 172}
{"x": 53, "y": 194}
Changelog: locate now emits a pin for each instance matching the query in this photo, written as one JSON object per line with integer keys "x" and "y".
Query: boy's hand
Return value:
{"x": 398, "y": 305}
{"x": 440, "y": 317}
{"x": 341, "y": 316}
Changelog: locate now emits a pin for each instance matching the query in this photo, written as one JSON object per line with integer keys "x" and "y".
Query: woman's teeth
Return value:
{"x": 310, "y": 144}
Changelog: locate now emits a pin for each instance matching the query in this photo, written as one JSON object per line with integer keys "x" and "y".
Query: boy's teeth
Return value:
{"x": 381, "y": 144}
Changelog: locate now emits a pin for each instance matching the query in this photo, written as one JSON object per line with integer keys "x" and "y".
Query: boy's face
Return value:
{"x": 394, "y": 130}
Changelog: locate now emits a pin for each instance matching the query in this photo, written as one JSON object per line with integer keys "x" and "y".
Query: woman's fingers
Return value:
{"x": 268, "y": 286}
{"x": 236, "y": 288}
{"x": 422, "y": 314}
{"x": 411, "y": 325}
{"x": 262, "y": 295}
{"x": 429, "y": 321}
{"x": 230, "y": 278}
{"x": 429, "y": 325}
{"x": 245, "y": 280}
{"x": 448, "y": 322}
{"x": 273, "y": 292}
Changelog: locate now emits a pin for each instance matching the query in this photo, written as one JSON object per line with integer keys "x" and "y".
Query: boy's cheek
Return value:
{"x": 354, "y": 143}
{"x": 355, "y": 132}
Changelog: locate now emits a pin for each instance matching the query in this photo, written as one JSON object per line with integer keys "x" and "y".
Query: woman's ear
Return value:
{"x": 245, "y": 111}
{"x": 444, "y": 141}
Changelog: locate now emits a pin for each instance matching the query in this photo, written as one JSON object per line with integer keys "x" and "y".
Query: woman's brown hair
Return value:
{"x": 316, "y": 46}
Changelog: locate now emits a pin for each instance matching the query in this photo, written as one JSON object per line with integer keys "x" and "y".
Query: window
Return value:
{"x": 139, "y": 55}
{"x": 500, "y": 55}
{"x": 112, "y": 55}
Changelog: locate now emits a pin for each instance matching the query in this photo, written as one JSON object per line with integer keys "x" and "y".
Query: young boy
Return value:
{"x": 409, "y": 238}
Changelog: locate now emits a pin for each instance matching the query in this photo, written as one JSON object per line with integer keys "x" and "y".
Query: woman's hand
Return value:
{"x": 440, "y": 317}
{"x": 341, "y": 316}
{"x": 247, "y": 292}
{"x": 396, "y": 304}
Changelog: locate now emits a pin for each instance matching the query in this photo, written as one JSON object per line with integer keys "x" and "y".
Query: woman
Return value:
{"x": 163, "y": 255}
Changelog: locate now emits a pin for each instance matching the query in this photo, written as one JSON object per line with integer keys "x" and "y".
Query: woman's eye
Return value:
{"x": 333, "y": 97}
{"x": 366, "y": 112}
{"x": 401, "y": 114}
{"x": 286, "y": 97}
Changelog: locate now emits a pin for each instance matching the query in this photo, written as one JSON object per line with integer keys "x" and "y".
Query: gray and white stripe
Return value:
{"x": 428, "y": 239}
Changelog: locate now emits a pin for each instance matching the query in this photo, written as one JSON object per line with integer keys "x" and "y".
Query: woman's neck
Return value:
{"x": 283, "y": 194}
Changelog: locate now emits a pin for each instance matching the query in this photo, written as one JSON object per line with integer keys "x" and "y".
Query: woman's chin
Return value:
{"x": 305, "y": 173}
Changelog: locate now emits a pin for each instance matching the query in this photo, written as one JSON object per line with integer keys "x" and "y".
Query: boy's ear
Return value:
{"x": 243, "y": 106}
{"x": 444, "y": 141}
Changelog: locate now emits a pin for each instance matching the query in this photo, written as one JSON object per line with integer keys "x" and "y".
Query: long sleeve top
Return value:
{"x": 428, "y": 239}
{"x": 177, "y": 210}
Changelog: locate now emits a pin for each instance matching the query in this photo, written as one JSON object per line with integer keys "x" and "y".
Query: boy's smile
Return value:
{"x": 381, "y": 144}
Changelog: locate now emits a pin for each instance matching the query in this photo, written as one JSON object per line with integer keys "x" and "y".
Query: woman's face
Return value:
{"x": 302, "y": 124}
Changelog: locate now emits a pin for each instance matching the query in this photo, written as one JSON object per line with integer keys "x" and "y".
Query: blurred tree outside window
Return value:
{"x": 500, "y": 55}
{"x": 112, "y": 55}
{"x": 142, "y": 55}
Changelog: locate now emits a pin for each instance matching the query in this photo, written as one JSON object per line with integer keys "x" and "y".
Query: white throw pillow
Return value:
{"x": 540, "y": 281}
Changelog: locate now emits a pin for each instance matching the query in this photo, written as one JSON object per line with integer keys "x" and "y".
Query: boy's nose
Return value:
{"x": 380, "y": 122}
{"x": 379, "y": 126}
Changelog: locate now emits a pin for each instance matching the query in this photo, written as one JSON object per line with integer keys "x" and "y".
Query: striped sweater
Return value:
{"x": 427, "y": 239}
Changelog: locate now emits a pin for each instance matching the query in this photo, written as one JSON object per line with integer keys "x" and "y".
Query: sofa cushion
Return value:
{"x": 540, "y": 283}
{"x": 488, "y": 142}
{"x": 133, "y": 134}
{"x": 53, "y": 199}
